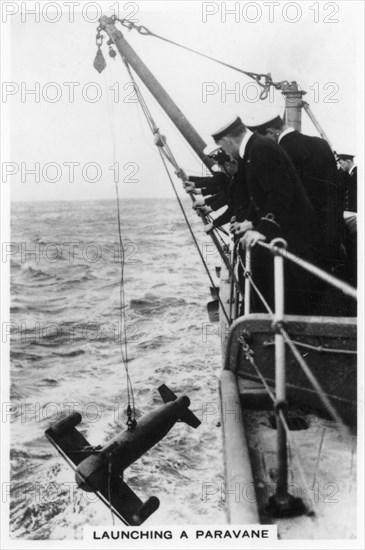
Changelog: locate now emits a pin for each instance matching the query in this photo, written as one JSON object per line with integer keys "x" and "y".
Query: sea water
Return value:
{"x": 65, "y": 355}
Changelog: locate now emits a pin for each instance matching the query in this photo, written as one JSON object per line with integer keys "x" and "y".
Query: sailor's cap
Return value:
{"x": 211, "y": 148}
{"x": 263, "y": 117}
{"x": 344, "y": 156}
{"x": 227, "y": 128}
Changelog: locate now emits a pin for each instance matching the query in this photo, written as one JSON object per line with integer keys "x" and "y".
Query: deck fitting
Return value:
{"x": 285, "y": 506}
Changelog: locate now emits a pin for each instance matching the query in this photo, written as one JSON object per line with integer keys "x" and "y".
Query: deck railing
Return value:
{"x": 282, "y": 502}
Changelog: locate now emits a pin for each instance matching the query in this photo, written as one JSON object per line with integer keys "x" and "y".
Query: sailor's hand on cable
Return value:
{"x": 208, "y": 228}
{"x": 240, "y": 228}
{"x": 189, "y": 187}
{"x": 181, "y": 174}
{"x": 251, "y": 237}
{"x": 205, "y": 209}
{"x": 198, "y": 203}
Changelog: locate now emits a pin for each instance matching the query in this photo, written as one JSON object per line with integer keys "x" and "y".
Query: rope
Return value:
{"x": 312, "y": 379}
{"x": 166, "y": 152}
{"x": 319, "y": 349}
{"x": 302, "y": 363}
{"x": 330, "y": 279}
{"x": 123, "y": 332}
{"x": 194, "y": 238}
{"x": 338, "y": 284}
{"x": 249, "y": 277}
{"x": 219, "y": 230}
{"x": 255, "y": 76}
{"x": 295, "y": 446}
{"x": 249, "y": 357}
{"x": 318, "y": 457}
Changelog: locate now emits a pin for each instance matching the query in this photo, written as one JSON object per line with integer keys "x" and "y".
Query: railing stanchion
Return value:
{"x": 282, "y": 483}
{"x": 247, "y": 297}
{"x": 233, "y": 291}
{"x": 282, "y": 503}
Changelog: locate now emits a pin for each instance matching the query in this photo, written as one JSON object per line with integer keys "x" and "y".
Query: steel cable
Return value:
{"x": 302, "y": 363}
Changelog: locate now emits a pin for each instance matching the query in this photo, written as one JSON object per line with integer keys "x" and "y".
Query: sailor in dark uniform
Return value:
{"x": 316, "y": 166}
{"x": 210, "y": 191}
{"x": 347, "y": 165}
{"x": 278, "y": 207}
{"x": 349, "y": 172}
{"x": 221, "y": 187}
{"x": 212, "y": 185}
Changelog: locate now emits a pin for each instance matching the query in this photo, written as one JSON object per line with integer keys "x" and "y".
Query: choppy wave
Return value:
{"x": 65, "y": 349}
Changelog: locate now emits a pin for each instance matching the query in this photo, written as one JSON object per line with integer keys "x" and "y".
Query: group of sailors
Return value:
{"x": 277, "y": 182}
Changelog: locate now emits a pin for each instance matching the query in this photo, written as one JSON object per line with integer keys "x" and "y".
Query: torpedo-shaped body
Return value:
{"x": 126, "y": 447}
{"x": 100, "y": 469}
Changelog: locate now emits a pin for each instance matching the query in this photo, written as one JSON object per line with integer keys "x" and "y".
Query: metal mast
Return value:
{"x": 293, "y": 109}
{"x": 293, "y": 105}
{"x": 107, "y": 24}
{"x": 126, "y": 51}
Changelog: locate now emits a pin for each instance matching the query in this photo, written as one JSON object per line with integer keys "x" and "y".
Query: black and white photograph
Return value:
{"x": 181, "y": 274}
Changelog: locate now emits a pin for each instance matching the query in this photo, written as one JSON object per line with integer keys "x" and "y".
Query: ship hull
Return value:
{"x": 328, "y": 344}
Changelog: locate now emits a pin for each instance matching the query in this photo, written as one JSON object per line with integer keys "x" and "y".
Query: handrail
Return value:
{"x": 277, "y": 247}
{"x": 282, "y": 502}
{"x": 247, "y": 302}
{"x": 320, "y": 273}
{"x": 282, "y": 499}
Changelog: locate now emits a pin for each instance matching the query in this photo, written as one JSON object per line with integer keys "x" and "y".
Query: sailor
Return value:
{"x": 221, "y": 187}
{"x": 347, "y": 165}
{"x": 211, "y": 184}
{"x": 278, "y": 207}
{"x": 349, "y": 183}
{"x": 316, "y": 166}
{"x": 211, "y": 187}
